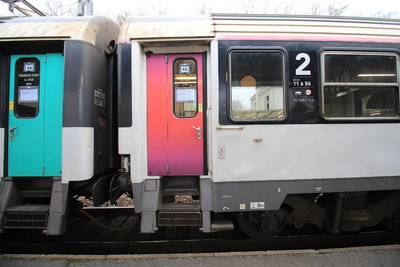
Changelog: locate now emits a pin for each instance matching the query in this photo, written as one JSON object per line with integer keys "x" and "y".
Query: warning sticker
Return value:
{"x": 257, "y": 205}
{"x": 242, "y": 206}
{"x": 99, "y": 98}
{"x": 11, "y": 105}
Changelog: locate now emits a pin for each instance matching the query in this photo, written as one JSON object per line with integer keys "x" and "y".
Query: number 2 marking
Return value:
{"x": 300, "y": 70}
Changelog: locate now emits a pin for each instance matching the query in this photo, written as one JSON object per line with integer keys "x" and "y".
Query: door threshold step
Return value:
{"x": 181, "y": 218}
{"x": 26, "y": 217}
{"x": 35, "y": 193}
{"x": 181, "y": 192}
{"x": 39, "y": 209}
{"x": 179, "y": 207}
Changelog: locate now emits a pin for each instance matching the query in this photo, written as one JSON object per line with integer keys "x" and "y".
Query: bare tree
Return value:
{"x": 140, "y": 12}
{"x": 162, "y": 9}
{"x": 284, "y": 8}
{"x": 237, "y": 105}
{"x": 204, "y": 9}
{"x": 122, "y": 16}
{"x": 335, "y": 10}
{"x": 248, "y": 7}
{"x": 266, "y": 7}
{"x": 316, "y": 9}
{"x": 60, "y": 8}
{"x": 381, "y": 14}
{"x": 276, "y": 9}
{"x": 288, "y": 9}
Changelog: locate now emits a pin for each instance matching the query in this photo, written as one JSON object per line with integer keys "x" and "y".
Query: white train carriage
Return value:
{"x": 275, "y": 119}
{"x": 56, "y": 127}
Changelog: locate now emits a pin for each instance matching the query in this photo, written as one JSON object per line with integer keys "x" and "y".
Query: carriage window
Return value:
{"x": 27, "y": 82}
{"x": 360, "y": 85}
{"x": 185, "y": 88}
{"x": 256, "y": 85}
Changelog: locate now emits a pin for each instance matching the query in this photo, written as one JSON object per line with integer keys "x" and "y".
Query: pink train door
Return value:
{"x": 175, "y": 114}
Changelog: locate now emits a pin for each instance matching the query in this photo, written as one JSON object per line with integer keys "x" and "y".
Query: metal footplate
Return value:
{"x": 179, "y": 214}
{"x": 27, "y": 217}
{"x": 39, "y": 203}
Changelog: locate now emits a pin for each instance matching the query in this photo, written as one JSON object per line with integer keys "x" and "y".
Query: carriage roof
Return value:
{"x": 95, "y": 30}
{"x": 223, "y": 26}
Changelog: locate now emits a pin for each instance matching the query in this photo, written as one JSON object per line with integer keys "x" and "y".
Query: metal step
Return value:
{"x": 179, "y": 214}
{"x": 35, "y": 193}
{"x": 179, "y": 218}
{"x": 28, "y": 209}
{"x": 26, "y": 217}
{"x": 179, "y": 207}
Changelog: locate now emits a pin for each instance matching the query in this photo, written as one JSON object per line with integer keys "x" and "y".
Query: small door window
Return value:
{"x": 27, "y": 85}
{"x": 185, "y": 88}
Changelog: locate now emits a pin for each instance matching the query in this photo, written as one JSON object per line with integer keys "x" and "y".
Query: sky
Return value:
{"x": 383, "y": 8}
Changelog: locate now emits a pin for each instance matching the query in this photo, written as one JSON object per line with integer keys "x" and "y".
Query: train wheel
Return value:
{"x": 262, "y": 225}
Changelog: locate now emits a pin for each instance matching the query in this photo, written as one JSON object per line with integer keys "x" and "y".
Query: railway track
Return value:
{"x": 197, "y": 245}
{"x": 89, "y": 236}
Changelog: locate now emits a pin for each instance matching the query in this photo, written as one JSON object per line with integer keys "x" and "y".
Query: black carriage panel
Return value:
{"x": 4, "y": 80}
{"x": 87, "y": 95}
{"x": 302, "y": 78}
{"x": 124, "y": 85}
{"x": 303, "y": 89}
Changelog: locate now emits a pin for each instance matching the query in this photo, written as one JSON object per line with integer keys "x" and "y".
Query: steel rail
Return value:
{"x": 53, "y": 246}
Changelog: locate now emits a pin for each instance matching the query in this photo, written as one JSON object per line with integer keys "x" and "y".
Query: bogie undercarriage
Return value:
{"x": 333, "y": 212}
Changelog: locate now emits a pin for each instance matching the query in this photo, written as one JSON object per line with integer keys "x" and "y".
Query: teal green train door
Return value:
{"x": 35, "y": 115}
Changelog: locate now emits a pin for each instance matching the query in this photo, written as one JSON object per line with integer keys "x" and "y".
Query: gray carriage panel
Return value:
{"x": 269, "y": 195}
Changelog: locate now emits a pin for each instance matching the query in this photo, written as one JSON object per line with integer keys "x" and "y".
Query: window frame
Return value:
{"x": 229, "y": 83}
{"x": 360, "y": 84}
{"x": 174, "y": 91}
{"x": 16, "y": 89}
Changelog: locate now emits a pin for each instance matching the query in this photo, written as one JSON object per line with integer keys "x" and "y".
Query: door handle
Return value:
{"x": 12, "y": 132}
{"x": 198, "y": 129}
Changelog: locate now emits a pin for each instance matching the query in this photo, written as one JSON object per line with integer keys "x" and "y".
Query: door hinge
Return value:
{"x": 45, "y": 59}
{"x": 43, "y": 170}
{"x": 167, "y": 168}
{"x": 166, "y": 59}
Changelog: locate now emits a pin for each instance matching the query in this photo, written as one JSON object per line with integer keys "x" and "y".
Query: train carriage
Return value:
{"x": 263, "y": 121}
{"x": 277, "y": 120}
{"x": 56, "y": 120}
